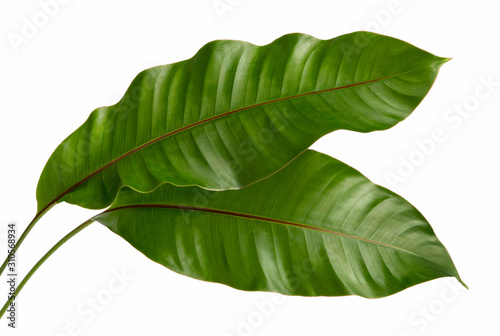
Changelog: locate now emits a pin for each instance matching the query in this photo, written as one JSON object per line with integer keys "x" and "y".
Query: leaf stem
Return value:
{"x": 41, "y": 261}
{"x": 24, "y": 235}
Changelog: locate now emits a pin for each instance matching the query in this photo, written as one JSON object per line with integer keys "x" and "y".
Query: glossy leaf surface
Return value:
{"x": 317, "y": 227}
{"x": 235, "y": 113}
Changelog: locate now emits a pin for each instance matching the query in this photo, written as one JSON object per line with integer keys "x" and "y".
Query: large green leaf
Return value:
{"x": 317, "y": 227}
{"x": 235, "y": 113}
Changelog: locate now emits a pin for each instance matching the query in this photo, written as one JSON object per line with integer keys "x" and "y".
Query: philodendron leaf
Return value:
{"x": 317, "y": 227}
{"x": 236, "y": 113}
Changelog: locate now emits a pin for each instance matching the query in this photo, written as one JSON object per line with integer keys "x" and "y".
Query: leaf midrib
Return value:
{"x": 204, "y": 121}
{"x": 255, "y": 217}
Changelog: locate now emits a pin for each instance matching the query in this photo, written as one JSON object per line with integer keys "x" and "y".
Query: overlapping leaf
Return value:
{"x": 317, "y": 227}
{"x": 235, "y": 113}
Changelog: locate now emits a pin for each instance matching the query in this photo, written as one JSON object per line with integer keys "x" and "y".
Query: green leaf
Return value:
{"x": 317, "y": 227}
{"x": 236, "y": 113}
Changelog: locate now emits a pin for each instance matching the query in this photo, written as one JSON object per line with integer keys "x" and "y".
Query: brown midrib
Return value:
{"x": 254, "y": 217}
{"x": 88, "y": 177}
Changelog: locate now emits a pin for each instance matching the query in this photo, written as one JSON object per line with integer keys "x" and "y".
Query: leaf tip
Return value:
{"x": 443, "y": 60}
{"x": 440, "y": 61}
{"x": 463, "y": 283}
{"x": 456, "y": 276}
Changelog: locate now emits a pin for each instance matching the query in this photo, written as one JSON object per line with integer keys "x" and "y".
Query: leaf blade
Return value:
{"x": 234, "y": 114}
{"x": 318, "y": 227}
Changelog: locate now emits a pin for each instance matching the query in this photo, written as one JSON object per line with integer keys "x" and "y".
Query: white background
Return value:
{"x": 86, "y": 55}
